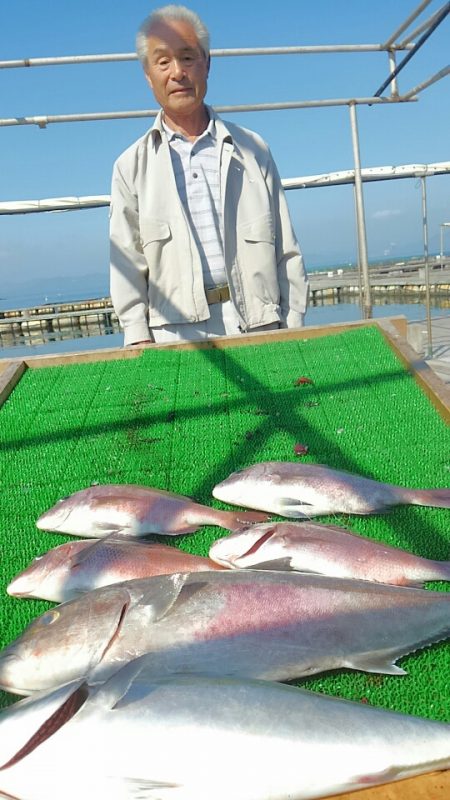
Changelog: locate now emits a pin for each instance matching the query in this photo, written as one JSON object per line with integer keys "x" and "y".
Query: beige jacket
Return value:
{"x": 156, "y": 273}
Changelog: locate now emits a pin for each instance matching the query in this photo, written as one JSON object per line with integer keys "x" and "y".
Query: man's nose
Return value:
{"x": 176, "y": 69}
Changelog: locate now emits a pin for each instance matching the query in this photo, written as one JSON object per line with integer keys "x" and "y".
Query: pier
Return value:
{"x": 58, "y": 320}
{"x": 405, "y": 278}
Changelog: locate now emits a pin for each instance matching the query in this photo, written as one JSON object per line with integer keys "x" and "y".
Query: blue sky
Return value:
{"x": 75, "y": 159}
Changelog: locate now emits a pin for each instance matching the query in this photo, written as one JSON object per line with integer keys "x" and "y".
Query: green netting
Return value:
{"x": 184, "y": 419}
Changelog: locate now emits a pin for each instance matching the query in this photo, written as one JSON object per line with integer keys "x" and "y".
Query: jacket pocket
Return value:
{"x": 155, "y": 238}
{"x": 259, "y": 230}
{"x": 155, "y": 231}
{"x": 256, "y": 257}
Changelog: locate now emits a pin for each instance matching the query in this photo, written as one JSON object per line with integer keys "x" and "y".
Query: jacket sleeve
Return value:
{"x": 292, "y": 277}
{"x": 128, "y": 267}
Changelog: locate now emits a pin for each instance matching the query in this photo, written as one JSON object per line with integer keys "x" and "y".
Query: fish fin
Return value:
{"x": 436, "y": 498}
{"x": 52, "y": 724}
{"x": 367, "y": 662}
{"x": 241, "y": 520}
{"x": 143, "y": 788}
{"x": 173, "y": 590}
{"x": 107, "y": 529}
{"x": 291, "y": 507}
{"x": 115, "y": 688}
{"x": 277, "y": 564}
{"x": 113, "y": 538}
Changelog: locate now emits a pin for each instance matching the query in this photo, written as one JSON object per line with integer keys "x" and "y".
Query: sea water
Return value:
{"x": 325, "y": 312}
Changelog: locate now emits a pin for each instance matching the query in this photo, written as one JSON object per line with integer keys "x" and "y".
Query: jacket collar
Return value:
{"x": 222, "y": 132}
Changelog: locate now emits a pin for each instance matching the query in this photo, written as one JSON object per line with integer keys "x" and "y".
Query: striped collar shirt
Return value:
{"x": 197, "y": 176}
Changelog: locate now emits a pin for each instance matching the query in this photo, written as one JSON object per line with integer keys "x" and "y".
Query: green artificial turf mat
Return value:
{"x": 184, "y": 419}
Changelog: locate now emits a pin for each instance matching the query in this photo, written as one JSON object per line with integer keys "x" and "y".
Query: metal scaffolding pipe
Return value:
{"x": 427, "y": 268}
{"x": 407, "y": 22}
{"x": 368, "y": 174}
{"x": 413, "y": 34}
{"x": 441, "y": 257}
{"x": 42, "y": 120}
{"x": 439, "y": 18}
{"x": 421, "y": 86}
{"x": 363, "y": 261}
{"x": 54, "y": 61}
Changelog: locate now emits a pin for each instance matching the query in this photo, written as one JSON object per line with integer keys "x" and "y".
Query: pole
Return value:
{"x": 426, "y": 263}
{"x": 363, "y": 263}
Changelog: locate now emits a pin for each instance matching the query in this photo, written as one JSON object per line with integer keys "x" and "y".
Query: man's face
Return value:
{"x": 177, "y": 67}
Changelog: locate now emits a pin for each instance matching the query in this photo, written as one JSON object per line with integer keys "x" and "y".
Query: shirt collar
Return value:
{"x": 210, "y": 130}
{"x": 217, "y": 127}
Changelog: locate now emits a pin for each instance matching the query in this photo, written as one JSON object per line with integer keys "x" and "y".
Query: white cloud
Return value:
{"x": 385, "y": 213}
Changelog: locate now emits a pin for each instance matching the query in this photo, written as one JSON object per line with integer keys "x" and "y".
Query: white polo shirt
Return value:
{"x": 196, "y": 170}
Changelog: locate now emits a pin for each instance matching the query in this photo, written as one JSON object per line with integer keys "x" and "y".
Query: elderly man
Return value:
{"x": 201, "y": 240}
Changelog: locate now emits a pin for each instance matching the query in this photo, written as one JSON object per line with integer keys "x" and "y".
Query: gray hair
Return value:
{"x": 161, "y": 15}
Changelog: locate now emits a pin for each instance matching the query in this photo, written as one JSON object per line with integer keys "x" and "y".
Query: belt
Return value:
{"x": 218, "y": 294}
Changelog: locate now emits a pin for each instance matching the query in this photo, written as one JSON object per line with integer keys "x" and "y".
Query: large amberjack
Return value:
{"x": 70, "y": 569}
{"x": 308, "y": 490}
{"x": 196, "y": 738}
{"x": 253, "y": 623}
{"x": 325, "y": 550}
{"x": 136, "y": 511}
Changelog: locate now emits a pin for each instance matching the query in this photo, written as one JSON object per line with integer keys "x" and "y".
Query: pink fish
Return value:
{"x": 325, "y": 550}
{"x": 136, "y": 511}
{"x": 72, "y": 568}
{"x": 309, "y": 490}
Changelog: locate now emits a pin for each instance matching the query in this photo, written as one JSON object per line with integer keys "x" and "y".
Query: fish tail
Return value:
{"x": 441, "y": 571}
{"x": 437, "y": 498}
{"x": 239, "y": 520}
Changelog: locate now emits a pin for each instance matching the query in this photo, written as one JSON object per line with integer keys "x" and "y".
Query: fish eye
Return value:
{"x": 49, "y": 617}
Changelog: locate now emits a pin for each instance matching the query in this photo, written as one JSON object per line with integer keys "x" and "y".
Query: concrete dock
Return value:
{"x": 437, "y": 352}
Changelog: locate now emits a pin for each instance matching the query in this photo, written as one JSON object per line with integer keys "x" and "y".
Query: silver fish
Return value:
{"x": 308, "y": 490}
{"x": 70, "y": 569}
{"x": 253, "y": 623}
{"x": 324, "y": 550}
{"x": 166, "y": 738}
{"x": 136, "y": 511}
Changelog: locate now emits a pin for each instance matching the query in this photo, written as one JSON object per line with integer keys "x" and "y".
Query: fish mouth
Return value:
{"x": 14, "y": 590}
{"x": 237, "y": 559}
{"x": 53, "y": 518}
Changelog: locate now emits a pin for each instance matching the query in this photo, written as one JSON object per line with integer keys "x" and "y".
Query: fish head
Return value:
{"x": 243, "y": 549}
{"x": 47, "y": 573}
{"x": 65, "y": 643}
{"x": 234, "y": 488}
{"x": 58, "y": 516}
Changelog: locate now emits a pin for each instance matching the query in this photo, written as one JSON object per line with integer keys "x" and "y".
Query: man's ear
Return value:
{"x": 208, "y": 64}
{"x": 148, "y": 79}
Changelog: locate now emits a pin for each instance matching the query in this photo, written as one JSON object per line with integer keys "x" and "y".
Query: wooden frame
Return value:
{"x": 432, "y": 786}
